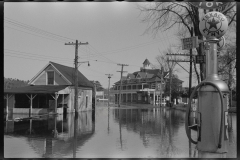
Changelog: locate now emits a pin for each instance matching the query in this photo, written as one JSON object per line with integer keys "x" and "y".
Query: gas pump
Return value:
{"x": 212, "y": 111}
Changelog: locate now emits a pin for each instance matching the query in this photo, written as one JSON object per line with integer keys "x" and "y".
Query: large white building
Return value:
{"x": 144, "y": 86}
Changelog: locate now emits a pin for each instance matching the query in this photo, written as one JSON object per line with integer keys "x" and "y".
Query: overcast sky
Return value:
{"x": 113, "y": 30}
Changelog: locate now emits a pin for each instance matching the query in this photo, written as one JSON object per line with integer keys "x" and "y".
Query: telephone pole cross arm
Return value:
{"x": 76, "y": 73}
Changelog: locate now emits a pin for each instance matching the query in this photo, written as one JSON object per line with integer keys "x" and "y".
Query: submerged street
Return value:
{"x": 115, "y": 133}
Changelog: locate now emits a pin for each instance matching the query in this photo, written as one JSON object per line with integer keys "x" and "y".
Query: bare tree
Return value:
{"x": 168, "y": 64}
{"x": 227, "y": 65}
{"x": 162, "y": 16}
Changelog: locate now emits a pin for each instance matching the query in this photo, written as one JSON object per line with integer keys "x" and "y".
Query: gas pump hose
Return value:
{"x": 188, "y": 112}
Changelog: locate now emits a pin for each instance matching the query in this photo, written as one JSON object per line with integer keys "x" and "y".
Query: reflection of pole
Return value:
{"x": 75, "y": 136}
{"x": 120, "y": 128}
{"x": 55, "y": 127}
{"x": 30, "y": 126}
{"x": 108, "y": 120}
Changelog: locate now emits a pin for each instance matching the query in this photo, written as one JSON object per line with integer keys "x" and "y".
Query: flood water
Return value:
{"x": 112, "y": 133}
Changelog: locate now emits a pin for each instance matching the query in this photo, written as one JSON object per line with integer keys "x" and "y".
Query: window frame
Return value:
{"x": 53, "y": 77}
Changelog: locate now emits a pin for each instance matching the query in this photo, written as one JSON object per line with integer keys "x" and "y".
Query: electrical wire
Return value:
{"x": 34, "y": 29}
{"x": 130, "y": 47}
{"x": 32, "y": 54}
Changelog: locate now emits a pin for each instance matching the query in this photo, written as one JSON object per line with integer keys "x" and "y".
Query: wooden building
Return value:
{"x": 50, "y": 90}
{"x": 144, "y": 86}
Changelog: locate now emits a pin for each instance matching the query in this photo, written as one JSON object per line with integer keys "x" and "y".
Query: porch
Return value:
{"x": 36, "y": 99}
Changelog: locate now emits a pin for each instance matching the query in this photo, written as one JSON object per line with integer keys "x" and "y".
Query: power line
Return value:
{"x": 130, "y": 47}
{"x": 33, "y": 34}
{"x": 34, "y": 29}
{"x": 31, "y": 54}
{"x": 101, "y": 54}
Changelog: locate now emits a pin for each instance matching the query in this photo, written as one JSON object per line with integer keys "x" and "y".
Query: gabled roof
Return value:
{"x": 152, "y": 71}
{"x": 141, "y": 74}
{"x": 130, "y": 76}
{"x": 146, "y": 62}
{"x": 149, "y": 75}
{"x": 67, "y": 74}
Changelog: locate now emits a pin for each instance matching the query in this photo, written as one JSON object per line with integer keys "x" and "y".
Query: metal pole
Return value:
{"x": 190, "y": 74}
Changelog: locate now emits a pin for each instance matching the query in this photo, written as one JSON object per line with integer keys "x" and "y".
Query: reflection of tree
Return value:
{"x": 157, "y": 124}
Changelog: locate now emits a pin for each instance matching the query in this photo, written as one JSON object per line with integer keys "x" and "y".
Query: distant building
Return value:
{"x": 144, "y": 86}
{"x": 50, "y": 90}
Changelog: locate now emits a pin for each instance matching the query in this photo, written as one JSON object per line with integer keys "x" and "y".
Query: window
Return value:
{"x": 86, "y": 101}
{"x": 50, "y": 77}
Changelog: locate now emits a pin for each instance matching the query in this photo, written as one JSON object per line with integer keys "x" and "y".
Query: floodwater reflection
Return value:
{"x": 49, "y": 137}
{"x": 112, "y": 133}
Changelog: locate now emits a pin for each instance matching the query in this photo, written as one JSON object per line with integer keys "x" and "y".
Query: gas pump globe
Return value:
{"x": 212, "y": 111}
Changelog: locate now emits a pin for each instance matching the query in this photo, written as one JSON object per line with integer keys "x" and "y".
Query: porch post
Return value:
{"x": 30, "y": 129}
{"x": 157, "y": 99}
{"x": 7, "y": 102}
{"x": 63, "y": 100}
{"x": 31, "y": 99}
{"x": 154, "y": 98}
{"x": 56, "y": 97}
{"x": 30, "y": 111}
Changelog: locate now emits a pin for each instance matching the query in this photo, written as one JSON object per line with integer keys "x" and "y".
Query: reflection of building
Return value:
{"x": 50, "y": 90}
{"x": 71, "y": 134}
{"x": 152, "y": 125}
{"x": 144, "y": 86}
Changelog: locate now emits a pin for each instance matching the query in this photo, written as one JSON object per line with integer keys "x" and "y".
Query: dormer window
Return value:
{"x": 50, "y": 77}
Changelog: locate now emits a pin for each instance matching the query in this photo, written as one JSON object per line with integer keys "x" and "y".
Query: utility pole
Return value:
{"x": 183, "y": 60}
{"x": 109, "y": 76}
{"x": 76, "y": 74}
{"x": 121, "y": 83}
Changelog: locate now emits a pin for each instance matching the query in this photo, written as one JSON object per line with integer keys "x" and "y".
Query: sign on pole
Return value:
{"x": 189, "y": 43}
{"x": 208, "y": 5}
